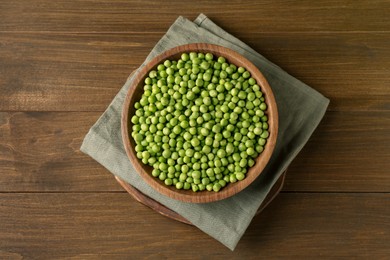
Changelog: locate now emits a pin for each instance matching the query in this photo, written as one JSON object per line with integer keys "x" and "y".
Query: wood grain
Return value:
{"x": 114, "y": 225}
{"x": 349, "y": 152}
{"x": 73, "y": 56}
{"x": 154, "y": 16}
{"x": 40, "y": 151}
{"x": 83, "y": 72}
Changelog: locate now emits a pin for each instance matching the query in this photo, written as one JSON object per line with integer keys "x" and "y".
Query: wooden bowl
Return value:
{"x": 135, "y": 93}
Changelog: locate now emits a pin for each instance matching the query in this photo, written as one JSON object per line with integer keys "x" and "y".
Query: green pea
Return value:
{"x": 246, "y": 74}
{"x": 162, "y": 176}
{"x": 156, "y": 172}
{"x": 196, "y": 174}
{"x": 229, "y": 148}
{"x": 179, "y": 185}
{"x": 216, "y": 187}
{"x": 209, "y": 187}
{"x": 168, "y": 182}
{"x": 221, "y": 153}
{"x": 222, "y": 183}
{"x": 187, "y": 186}
{"x": 209, "y": 56}
{"x": 250, "y": 151}
{"x": 265, "y": 134}
{"x": 240, "y": 176}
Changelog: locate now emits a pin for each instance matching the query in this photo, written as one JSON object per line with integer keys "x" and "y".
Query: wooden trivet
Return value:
{"x": 151, "y": 203}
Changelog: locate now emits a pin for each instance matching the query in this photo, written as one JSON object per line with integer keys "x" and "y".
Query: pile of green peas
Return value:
{"x": 200, "y": 122}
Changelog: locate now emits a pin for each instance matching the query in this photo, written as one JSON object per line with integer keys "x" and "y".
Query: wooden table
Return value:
{"x": 61, "y": 64}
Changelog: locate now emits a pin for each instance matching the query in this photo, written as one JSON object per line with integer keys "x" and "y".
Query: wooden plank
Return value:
{"x": 152, "y": 16}
{"x": 39, "y": 151}
{"x": 52, "y": 226}
{"x": 348, "y": 152}
{"x": 83, "y": 72}
{"x": 65, "y": 72}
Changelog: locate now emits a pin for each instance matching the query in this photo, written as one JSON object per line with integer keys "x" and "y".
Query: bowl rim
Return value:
{"x": 264, "y": 157}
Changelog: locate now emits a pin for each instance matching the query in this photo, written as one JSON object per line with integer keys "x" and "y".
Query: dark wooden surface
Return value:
{"x": 62, "y": 62}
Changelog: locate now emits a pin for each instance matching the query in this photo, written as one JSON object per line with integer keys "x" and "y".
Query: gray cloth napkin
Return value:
{"x": 300, "y": 110}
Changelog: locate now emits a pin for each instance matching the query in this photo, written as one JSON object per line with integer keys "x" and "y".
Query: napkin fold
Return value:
{"x": 300, "y": 110}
